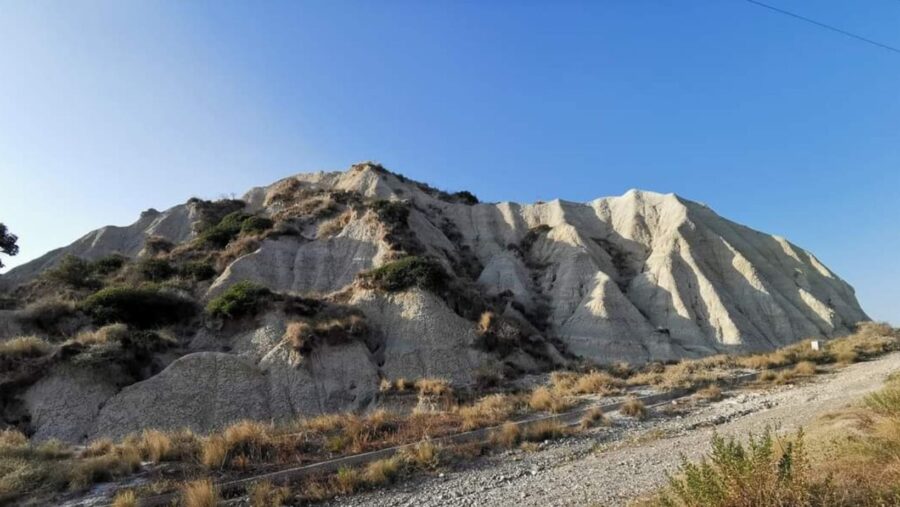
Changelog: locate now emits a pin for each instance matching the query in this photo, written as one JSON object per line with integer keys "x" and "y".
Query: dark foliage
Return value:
{"x": 410, "y": 271}
{"x": 143, "y": 307}
{"x": 197, "y": 270}
{"x": 156, "y": 270}
{"x": 8, "y": 241}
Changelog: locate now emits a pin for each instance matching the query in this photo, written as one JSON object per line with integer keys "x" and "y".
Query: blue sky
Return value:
{"x": 109, "y": 108}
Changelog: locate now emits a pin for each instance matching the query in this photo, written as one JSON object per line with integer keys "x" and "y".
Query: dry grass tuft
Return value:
{"x": 634, "y": 407}
{"x": 425, "y": 454}
{"x": 200, "y": 493}
{"x": 507, "y": 435}
{"x": 597, "y": 382}
{"x": 383, "y": 471}
{"x": 593, "y": 417}
{"x": 125, "y": 498}
{"x": 12, "y": 438}
{"x": 265, "y": 494}
{"x": 488, "y": 411}
{"x": 547, "y": 400}
{"x": 711, "y": 392}
{"x": 122, "y": 461}
{"x": 548, "y": 429}
{"x": 805, "y": 369}
{"x": 24, "y": 347}
{"x": 155, "y": 445}
{"x": 334, "y": 226}
{"x": 213, "y": 451}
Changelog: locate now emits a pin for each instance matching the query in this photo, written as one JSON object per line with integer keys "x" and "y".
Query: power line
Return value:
{"x": 823, "y": 25}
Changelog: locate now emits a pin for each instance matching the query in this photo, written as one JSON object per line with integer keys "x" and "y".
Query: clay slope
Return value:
{"x": 638, "y": 277}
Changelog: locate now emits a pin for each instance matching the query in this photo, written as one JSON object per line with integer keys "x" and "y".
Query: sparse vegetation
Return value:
{"x": 199, "y": 493}
{"x": 711, "y": 392}
{"x": 334, "y": 326}
{"x": 634, "y": 407}
{"x": 593, "y": 417}
{"x": 265, "y": 494}
{"x": 49, "y": 315}
{"x": 156, "y": 270}
{"x": 241, "y": 299}
{"x": 407, "y": 272}
{"x": 548, "y": 400}
{"x": 73, "y": 272}
{"x": 766, "y": 471}
{"x": 125, "y": 498}
{"x": 23, "y": 347}
{"x": 142, "y": 307}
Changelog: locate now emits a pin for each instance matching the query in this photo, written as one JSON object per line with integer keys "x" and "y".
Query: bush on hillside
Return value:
{"x": 392, "y": 212}
{"x": 211, "y": 213}
{"x": 51, "y": 315}
{"x": 464, "y": 197}
{"x": 256, "y": 224}
{"x": 197, "y": 270}
{"x": 331, "y": 328}
{"x": 74, "y": 272}
{"x": 764, "y": 472}
{"x": 242, "y": 298}
{"x": 143, "y": 307}
{"x": 410, "y": 271}
{"x": 156, "y": 270}
{"x": 233, "y": 225}
{"x": 109, "y": 264}
{"x": 155, "y": 245}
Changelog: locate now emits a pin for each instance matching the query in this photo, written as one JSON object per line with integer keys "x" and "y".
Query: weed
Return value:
{"x": 634, "y": 407}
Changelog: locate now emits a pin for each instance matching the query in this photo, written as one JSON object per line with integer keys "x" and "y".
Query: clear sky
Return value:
{"x": 109, "y": 107}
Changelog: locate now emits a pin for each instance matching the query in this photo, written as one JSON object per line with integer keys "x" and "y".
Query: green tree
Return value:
{"x": 8, "y": 244}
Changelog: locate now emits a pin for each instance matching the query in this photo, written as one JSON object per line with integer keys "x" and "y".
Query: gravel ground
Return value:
{"x": 609, "y": 466}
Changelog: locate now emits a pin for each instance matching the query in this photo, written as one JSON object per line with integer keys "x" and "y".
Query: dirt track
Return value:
{"x": 609, "y": 466}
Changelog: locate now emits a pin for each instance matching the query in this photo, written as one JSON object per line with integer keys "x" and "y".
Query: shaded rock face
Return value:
{"x": 65, "y": 404}
{"x": 639, "y": 277}
{"x": 206, "y": 391}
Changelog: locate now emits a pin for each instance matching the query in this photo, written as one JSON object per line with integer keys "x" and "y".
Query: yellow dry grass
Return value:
{"x": 199, "y": 493}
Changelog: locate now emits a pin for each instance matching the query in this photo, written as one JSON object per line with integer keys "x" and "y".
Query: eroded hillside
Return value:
{"x": 306, "y": 295}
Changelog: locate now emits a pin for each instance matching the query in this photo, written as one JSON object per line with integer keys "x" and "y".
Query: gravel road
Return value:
{"x": 609, "y": 466}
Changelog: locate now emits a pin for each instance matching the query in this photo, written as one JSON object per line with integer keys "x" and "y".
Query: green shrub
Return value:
{"x": 197, "y": 270}
{"x": 109, "y": 264}
{"x": 219, "y": 235}
{"x": 242, "y": 298}
{"x": 392, "y": 212}
{"x": 256, "y": 224}
{"x": 156, "y": 270}
{"x": 765, "y": 472}
{"x": 231, "y": 226}
{"x": 464, "y": 197}
{"x": 143, "y": 307}
{"x": 410, "y": 271}
{"x": 74, "y": 272}
{"x": 211, "y": 213}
